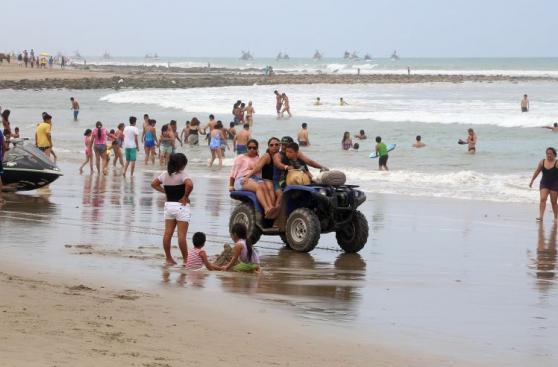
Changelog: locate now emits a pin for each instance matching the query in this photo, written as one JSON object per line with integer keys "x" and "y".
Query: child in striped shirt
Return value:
{"x": 197, "y": 258}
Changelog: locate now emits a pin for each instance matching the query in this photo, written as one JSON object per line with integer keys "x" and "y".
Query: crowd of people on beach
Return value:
{"x": 29, "y": 59}
{"x": 266, "y": 174}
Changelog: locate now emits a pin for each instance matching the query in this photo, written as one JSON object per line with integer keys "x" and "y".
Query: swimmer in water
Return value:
{"x": 342, "y": 102}
{"x": 418, "y": 142}
{"x": 554, "y": 127}
{"x": 318, "y": 102}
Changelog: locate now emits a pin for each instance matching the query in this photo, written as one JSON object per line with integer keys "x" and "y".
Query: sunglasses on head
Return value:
{"x": 252, "y": 147}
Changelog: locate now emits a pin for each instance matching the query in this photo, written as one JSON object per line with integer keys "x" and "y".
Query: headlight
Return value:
{"x": 323, "y": 192}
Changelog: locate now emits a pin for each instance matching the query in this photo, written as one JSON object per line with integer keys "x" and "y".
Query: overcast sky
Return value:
{"x": 421, "y": 28}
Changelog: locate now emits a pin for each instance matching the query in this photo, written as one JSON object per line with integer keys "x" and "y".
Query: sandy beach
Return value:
{"x": 78, "y": 77}
{"x": 54, "y": 321}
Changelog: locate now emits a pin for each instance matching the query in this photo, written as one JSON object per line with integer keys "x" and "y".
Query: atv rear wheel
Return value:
{"x": 284, "y": 239}
{"x": 302, "y": 230}
{"x": 353, "y": 237}
{"x": 246, "y": 214}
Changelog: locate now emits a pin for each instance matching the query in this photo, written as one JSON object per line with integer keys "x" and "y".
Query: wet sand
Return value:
{"x": 454, "y": 282}
{"x": 78, "y": 77}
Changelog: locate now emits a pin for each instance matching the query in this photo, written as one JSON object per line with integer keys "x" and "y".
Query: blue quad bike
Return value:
{"x": 306, "y": 212}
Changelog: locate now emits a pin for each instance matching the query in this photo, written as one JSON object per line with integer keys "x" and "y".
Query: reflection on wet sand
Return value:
{"x": 315, "y": 289}
{"x": 184, "y": 277}
{"x": 546, "y": 259}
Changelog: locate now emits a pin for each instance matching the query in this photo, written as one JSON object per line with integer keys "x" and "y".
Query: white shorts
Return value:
{"x": 177, "y": 211}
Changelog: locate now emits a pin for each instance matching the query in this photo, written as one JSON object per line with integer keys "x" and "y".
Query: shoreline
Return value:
{"x": 16, "y": 77}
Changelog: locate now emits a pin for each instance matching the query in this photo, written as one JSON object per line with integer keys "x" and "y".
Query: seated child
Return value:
{"x": 197, "y": 258}
{"x": 245, "y": 258}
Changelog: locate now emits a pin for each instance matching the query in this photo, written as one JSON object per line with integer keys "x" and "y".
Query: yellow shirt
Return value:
{"x": 43, "y": 132}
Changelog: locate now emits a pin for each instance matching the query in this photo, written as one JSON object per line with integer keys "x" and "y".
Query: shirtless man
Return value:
{"x": 554, "y": 127}
{"x": 241, "y": 139}
{"x": 471, "y": 141}
{"x": 286, "y": 105}
{"x": 318, "y": 102}
{"x": 361, "y": 135}
{"x": 250, "y": 111}
{"x": 342, "y": 102}
{"x": 418, "y": 142}
{"x": 525, "y": 104}
{"x": 209, "y": 125}
{"x": 174, "y": 129}
{"x": 75, "y": 108}
{"x": 302, "y": 136}
{"x": 278, "y": 103}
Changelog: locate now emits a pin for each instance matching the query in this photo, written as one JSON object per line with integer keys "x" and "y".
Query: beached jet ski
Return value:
{"x": 27, "y": 168}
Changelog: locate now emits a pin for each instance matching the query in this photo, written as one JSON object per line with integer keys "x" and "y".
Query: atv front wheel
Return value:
{"x": 353, "y": 237}
{"x": 302, "y": 230}
{"x": 245, "y": 213}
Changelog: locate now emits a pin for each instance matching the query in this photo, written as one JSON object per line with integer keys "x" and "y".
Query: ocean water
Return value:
{"x": 510, "y": 142}
{"x": 378, "y": 65}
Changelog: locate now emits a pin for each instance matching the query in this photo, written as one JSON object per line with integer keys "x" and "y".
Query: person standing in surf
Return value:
{"x": 177, "y": 186}
{"x": 382, "y": 152}
{"x": 549, "y": 182}
{"x": 278, "y": 103}
{"x": 131, "y": 146}
{"x": 525, "y": 104}
{"x": 75, "y": 107}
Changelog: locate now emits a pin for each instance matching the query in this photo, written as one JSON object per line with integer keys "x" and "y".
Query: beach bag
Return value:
{"x": 298, "y": 177}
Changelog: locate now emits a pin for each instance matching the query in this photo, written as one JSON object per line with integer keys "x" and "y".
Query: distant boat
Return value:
{"x": 346, "y": 55}
{"x": 282, "y": 56}
{"x": 394, "y": 56}
{"x": 77, "y": 55}
{"x": 317, "y": 55}
{"x": 152, "y": 57}
{"x": 367, "y": 57}
{"x": 106, "y": 56}
{"x": 246, "y": 55}
{"x": 354, "y": 56}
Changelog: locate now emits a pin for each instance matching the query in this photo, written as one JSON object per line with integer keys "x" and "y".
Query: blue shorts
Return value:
{"x": 76, "y": 113}
{"x": 241, "y": 149}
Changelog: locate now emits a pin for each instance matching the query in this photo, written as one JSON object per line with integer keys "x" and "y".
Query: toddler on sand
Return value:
{"x": 197, "y": 258}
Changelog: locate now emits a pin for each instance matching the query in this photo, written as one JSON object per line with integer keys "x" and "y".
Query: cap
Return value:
{"x": 286, "y": 140}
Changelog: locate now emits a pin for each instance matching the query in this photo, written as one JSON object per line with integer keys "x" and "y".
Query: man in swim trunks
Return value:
{"x": 75, "y": 108}
{"x": 250, "y": 111}
{"x": 302, "y": 135}
{"x": 241, "y": 139}
{"x": 342, "y": 102}
{"x": 209, "y": 125}
{"x": 525, "y": 104}
{"x": 278, "y": 103}
{"x": 471, "y": 141}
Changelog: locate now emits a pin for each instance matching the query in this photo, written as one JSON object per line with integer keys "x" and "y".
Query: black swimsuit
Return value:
{"x": 267, "y": 170}
{"x": 549, "y": 178}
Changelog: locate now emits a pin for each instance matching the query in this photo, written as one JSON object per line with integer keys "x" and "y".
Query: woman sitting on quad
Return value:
{"x": 242, "y": 177}
{"x": 265, "y": 167}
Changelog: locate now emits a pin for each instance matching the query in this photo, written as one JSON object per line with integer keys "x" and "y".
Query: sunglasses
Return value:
{"x": 274, "y": 145}
{"x": 252, "y": 148}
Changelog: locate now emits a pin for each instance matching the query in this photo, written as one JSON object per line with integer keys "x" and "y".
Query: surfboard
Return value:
{"x": 390, "y": 147}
